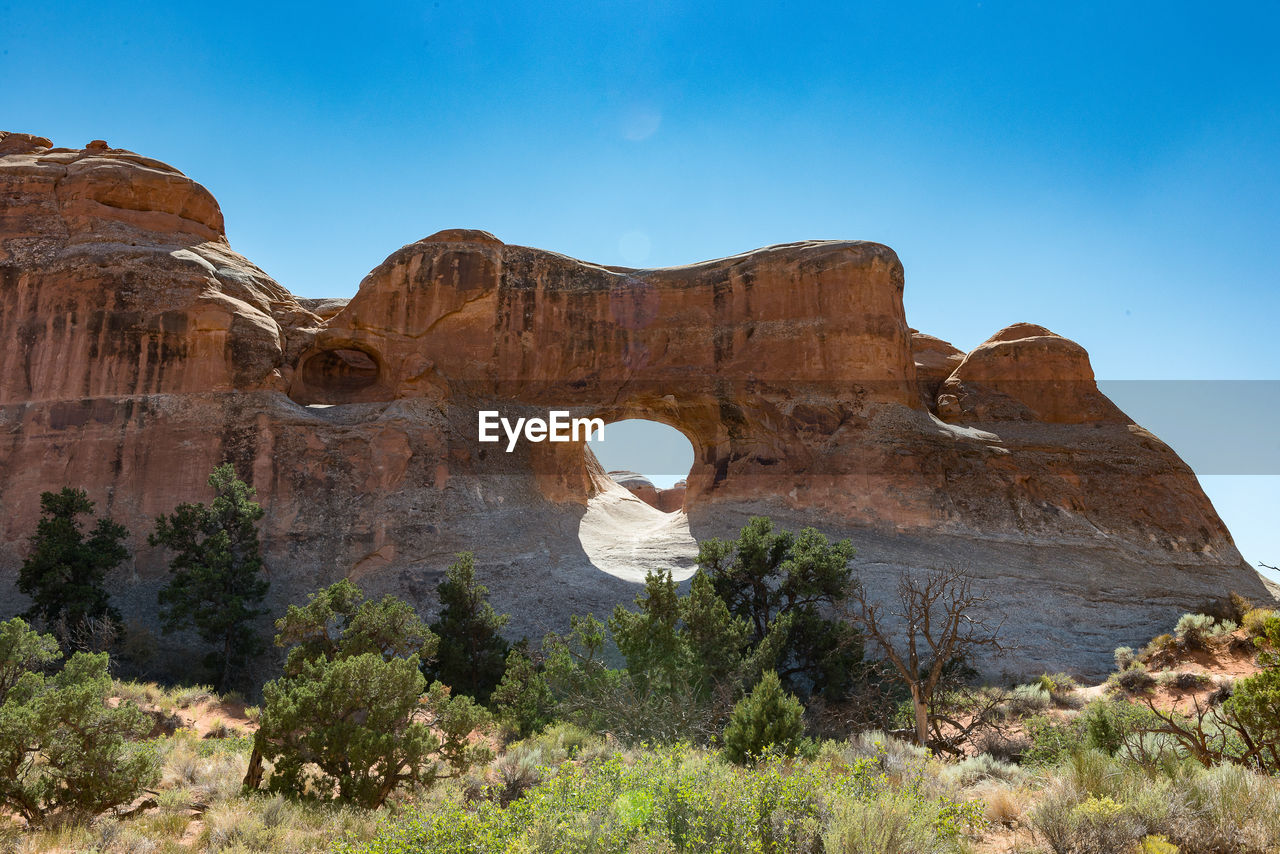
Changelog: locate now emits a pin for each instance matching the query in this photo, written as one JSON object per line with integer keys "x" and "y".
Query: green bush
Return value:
{"x": 1255, "y": 620}
{"x": 522, "y": 701}
{"x": 688, "y": 660}
{"x": 1111, "y": 726}
{"x": 1051, "y": 741}
{"x": 679, "y": 799}
{"x": 1255, "y": 705}
{"x": 358, "y": 728}
{"x": 349, "y": 719}
{"x": 63, "y": 750}
{"x": 768, "y": 719}
{"x": 1125, "y": 657}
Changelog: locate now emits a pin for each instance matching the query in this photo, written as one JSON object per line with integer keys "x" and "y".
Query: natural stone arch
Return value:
{"x": 753, "y": 357}
{"x": 147, "y": 351}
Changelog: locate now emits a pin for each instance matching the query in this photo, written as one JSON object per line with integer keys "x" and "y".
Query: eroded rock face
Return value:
{"x": 1026, "y": 373}
{"x": 144, "y": 351}
{"x": 116, "y": 279}
{"x": 666, "y": 500}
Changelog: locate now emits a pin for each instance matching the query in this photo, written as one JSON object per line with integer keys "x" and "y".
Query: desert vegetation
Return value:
{"x": 769, "y": 706}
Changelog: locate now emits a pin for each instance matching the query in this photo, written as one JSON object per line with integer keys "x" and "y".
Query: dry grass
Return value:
{"x": 1005, "y": 805}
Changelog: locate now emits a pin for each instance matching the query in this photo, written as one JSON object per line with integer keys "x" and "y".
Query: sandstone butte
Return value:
{"x": 142, "y": 351}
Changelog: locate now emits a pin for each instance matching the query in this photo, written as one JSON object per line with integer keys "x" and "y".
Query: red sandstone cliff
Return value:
{"x": 142, "y": 351}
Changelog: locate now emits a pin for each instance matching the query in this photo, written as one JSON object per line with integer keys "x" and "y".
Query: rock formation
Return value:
{"x": 666, "y": 500}
{"x": 144, "y": 351}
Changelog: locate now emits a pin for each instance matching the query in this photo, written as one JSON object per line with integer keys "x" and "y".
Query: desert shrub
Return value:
{"x": 688, "y": 661}
{"x": 1098, "y": 803}
{"x": 1125, "y": 657}
{"x": 358, "y": 728}
{"x": 1156, "y": 845}
{"x": 562, "y": 740}
{"x": 63, "y": 750}
{"x": 976, "y": 769}
{"x": 1057, "y": 683}
{"x": 768, "y": 719}
{"x": 1063, "y": 689}
{"x": 186, "y": 696}
{"x": 1051, "y": 740}
{"x": 1095, "y": 825}
{"x": 1226, "y": 808}
{"x": 1003, "y": 803}
{"x": 894, "y": 758}
{"x": 1193, "y": 630}
{"x": 1184, "y": 680}
{"x": 1157, "y": 645}
{"x": 1255, "y": 620}
{"x": 681, "y": 799}
{"x": 1110, "y": 725}
{"x": 349, "y": 719}
{"x": 886, "y": 825}
{"x": 1005, "y": 746}
{"x": 886, "y": 749}
{"x": 518, "y": 770}
{"x": 1027, "y": 699}
{"x": 1089, "y": 807}
{"x": 1136, "y": 680}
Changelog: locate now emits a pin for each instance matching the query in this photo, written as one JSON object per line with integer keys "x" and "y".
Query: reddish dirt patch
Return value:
{"x": 1224, "y": 659}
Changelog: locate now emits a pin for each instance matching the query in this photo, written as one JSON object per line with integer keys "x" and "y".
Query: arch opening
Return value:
{"x": 650, "y": 459}
{"x": 640, "y": 526}
{"x": 336, "y": 374}
{"x": 341, "y": 370}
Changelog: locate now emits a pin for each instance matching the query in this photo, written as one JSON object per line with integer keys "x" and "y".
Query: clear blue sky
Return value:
{"x": 1109, "y": 170}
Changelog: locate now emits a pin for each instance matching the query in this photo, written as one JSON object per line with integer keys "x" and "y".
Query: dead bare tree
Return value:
{"x": 87, "y": 634}
{"x": 934, "y": 623}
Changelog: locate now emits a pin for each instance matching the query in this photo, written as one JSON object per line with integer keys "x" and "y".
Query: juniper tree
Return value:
{"x": 349, "y": 719}
{"x": 64, "y": 572}
{"x": 522, "y": 701}
{"x": 216, "y": 582}
{"x": 688, "y": 660}
{"x": 766, "y": 719}
{"x": 765, "y": 576}
{"x": 63, "y": 749}
{"x": 472, "y": 655}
